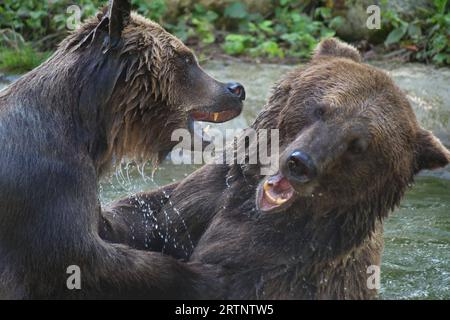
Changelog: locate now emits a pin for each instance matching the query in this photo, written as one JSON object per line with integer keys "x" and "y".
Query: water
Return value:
{"x": 417, "y": 244}
{"x": 416, "y": 260}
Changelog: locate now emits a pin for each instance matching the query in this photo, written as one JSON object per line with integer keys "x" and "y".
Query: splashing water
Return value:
{"x": 130, "y": 179}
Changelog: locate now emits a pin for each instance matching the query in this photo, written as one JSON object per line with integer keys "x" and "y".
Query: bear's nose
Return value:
{"x": 301, "y": 167}
{"x": 237, "y": 89}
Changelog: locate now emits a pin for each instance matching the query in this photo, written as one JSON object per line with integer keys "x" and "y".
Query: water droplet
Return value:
{"x": 227, "y": 181}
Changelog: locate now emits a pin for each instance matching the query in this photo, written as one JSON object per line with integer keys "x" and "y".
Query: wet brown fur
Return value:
{"x": 321, "y": 246}
{"x": 149, "y": 78}
{"x": 61, "y": 126}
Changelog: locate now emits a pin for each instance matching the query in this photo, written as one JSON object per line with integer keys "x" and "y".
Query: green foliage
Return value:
{"x": 236, "y": 10}
{"x": 19, "y": 61}
{"x": 236, "y": 44}
{"x": 154, "y": 9}
{"x": 291, "y": 30}
{"x": 37, "y": 19}
{"x": 17, "y": 55}
{"x": 198, "y": 25}
{"x": 429, "y": 37}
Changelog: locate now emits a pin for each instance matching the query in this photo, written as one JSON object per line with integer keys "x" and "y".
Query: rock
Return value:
{"x": 355, "y": 16}
{"x": 409, "y": 10}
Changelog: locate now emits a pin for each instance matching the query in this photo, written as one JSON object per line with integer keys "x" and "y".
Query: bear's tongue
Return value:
{"x": 275, "y": 192}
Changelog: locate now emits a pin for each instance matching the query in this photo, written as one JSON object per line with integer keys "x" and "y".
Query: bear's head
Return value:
{"x": 147, "y": 82}
{"x": 348, "y": 136}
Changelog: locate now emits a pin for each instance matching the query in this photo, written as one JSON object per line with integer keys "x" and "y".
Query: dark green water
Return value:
{"x": 416, "y": 260}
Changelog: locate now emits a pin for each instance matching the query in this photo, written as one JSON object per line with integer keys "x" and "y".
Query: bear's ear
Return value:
{"x": 430, "y": 153}
{"x": 118, "y": 15}
{"x": 335, "y": 48}
{"x": 114, "y": 18}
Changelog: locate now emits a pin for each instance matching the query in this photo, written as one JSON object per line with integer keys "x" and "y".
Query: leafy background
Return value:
{"x": 288, "y": 29}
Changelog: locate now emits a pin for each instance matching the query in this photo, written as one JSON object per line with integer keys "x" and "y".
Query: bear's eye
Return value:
{"x": 357, "y": 146}
{"x": 188, "y": 60}
{"x": 319, "y": 112}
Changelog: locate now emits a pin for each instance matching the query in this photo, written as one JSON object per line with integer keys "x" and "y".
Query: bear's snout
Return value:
{"x": 299, "y": 167}
{"x": 237, "y": 89}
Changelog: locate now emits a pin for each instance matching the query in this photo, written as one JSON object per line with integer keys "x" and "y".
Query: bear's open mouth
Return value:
{"x": 274, "y": 194}
{"x": 199, "y": 115}
{"x": 216, "y": 117}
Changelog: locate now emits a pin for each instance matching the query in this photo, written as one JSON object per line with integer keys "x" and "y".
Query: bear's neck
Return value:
{"x": 320, "y": 240}
{"x": 324, "y": 234}
{"x": 335, "y": 251}
{"x": 72, "y": 89}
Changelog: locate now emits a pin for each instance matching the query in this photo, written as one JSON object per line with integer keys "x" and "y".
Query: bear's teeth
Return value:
{"x": 277, "y": 201}
{"x": 216, "y": 115}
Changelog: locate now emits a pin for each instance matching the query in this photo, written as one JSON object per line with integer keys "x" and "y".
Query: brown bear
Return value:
{"x": 116, "y": 87}
{"x": 350, "y": 145}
